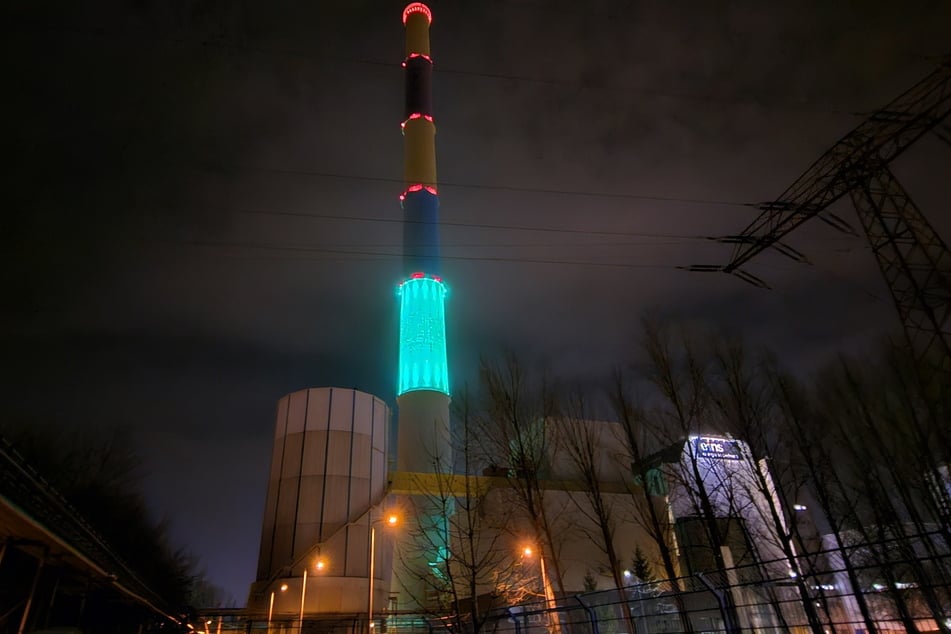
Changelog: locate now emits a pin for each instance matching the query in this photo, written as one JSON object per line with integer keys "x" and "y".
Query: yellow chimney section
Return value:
{"x": 419, "y": 151}
{"x": 417, "y": 17}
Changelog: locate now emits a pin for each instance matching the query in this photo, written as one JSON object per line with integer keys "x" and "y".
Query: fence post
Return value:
{"x": 514, "y": 617}
{"x": 591, "y": 616}
{"x": 728, "y": 623}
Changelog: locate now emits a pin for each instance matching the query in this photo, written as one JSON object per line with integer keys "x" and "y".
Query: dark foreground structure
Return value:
{"x": 56, "y": 572}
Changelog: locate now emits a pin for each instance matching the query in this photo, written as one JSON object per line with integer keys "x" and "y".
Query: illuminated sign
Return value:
{"x": 716, "y": 448}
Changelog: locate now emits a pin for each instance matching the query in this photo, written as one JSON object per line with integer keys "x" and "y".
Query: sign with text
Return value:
{"x": 716, "y": 448}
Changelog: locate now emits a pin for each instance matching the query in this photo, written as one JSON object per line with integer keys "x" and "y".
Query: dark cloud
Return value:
{"x": 161, "y": 272}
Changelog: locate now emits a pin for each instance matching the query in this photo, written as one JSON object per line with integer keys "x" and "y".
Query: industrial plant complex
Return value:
{"x": 329, "y": 558}
{"x": 724, "y": 508}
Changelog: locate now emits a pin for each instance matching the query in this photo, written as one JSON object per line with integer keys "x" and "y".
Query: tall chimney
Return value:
{"x": 423, "y": 380}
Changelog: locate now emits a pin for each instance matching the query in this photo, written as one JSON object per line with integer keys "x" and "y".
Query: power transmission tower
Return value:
{"x": 912, "y": 257}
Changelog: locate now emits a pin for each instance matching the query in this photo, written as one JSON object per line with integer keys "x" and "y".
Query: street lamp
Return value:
{"x": 303, "y": 595}
{"x": 546, "y": 584}
{"x": 546, "y": 587}
{"x": 391, "y": 520}
{"x": 303, "y": 591}
{"x": 270, "y": 607}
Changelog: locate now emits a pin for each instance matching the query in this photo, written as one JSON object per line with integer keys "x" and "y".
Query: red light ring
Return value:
{"x": 419, "y": 275}
{"x": 417, "y": 115}
{"x": 418, "y": 187}
{"x": 415, "y": 55}
{"x": 417, "y": 7}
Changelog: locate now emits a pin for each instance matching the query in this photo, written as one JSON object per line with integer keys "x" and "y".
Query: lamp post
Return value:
{"x": 270, "y": 607}
{"x": 303, "y": 595}
{"x": 546, "y": 585}
{"x": 391, "y": 520}
{"x": 303, "y": 592}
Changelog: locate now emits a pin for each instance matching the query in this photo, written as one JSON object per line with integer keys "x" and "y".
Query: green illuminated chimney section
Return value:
{"x": 422, "y": 364}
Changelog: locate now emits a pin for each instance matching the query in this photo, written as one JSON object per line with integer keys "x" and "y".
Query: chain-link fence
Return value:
{"x": 887, "y": 586}
{"x": 901, "y": 584}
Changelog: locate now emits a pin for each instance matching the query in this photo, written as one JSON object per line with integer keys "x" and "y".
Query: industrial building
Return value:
{"x": 328, "y": 477}
{"x": 326, "y": 555}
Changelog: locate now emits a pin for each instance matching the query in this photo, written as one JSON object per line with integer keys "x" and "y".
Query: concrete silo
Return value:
{"x": 328, "y": 474}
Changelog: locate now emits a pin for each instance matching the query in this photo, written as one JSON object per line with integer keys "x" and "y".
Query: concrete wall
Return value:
{"x": 328, "y": 468}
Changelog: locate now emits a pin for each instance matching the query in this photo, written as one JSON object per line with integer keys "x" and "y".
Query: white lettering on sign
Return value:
{"x": 719, "y": 448}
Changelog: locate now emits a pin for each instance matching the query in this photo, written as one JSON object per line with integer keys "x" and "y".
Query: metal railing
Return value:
{"x": 902, "y": 584}
{"x": 887, "y": 587}
{"x": 26, "y": 494}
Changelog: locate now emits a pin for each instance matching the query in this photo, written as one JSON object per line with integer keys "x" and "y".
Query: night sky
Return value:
{"x": 201, "y": 203}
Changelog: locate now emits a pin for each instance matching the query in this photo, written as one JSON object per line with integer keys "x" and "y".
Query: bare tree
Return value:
{"x": 649, "y": 494}
{"x": 744, "y": 404}
{"x": 516, "y": 411}
{"x": 582, "y": 441}
{"x": 457, "y": 516}
{"x": 680, "y": 376}
{"x": 888, "y": 467}
{"x": 584, "y": 448}
{"x": 655, "y": 437}
{"x": 811, "y": 458}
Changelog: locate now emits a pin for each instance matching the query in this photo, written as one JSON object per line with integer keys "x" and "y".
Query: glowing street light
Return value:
{"x": 270, "y": 607}
{"x": 390, "y": 520}
{"x": 546, "y": 587}
{"x": 546, "y": 584}
{"x": 303, "y": 594}
{"x": 319, "y": 565}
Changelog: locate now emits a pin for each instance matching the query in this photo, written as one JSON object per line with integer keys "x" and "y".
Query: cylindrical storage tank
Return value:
{"x": 328, "y": 470}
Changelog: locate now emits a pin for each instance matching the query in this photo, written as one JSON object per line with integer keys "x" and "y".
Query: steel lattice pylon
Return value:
{"x": 914, "y": 260}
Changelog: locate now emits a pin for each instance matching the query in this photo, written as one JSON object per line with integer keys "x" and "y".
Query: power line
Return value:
{"x": 504, "y": 245}
{"x": 206, "y": 166}
{"x": 378, "y": 255}
{"x": 470, "y": 225}
{"x": 352, "y": 255}
{"x": 483, "y": 186}
{"x": 299, "y": 53}
{"x": 680, "y": 238}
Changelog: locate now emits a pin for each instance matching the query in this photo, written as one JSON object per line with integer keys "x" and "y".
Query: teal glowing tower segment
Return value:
{"x": 422, "y": 364}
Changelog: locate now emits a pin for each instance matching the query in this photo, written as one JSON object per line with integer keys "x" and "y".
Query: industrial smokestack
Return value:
{"x": 423, "y": 380}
